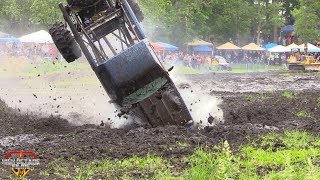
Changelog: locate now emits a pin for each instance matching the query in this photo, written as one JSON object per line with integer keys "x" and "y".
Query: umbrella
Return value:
{"x": 269, "y": 45}
{"x": 202, "y": 48}
{"x": 287, "y": 29}
{"x": 228, "y": 46}
{"x": 200, "y": 43}
{"x": 293, "y": 46}
{"x": 311, "y": 48}
{"x": 156, "y": 46}
{"x": 168, "y": 47}
{"x": 279, "y": 49}
{"x": 252, "y": 47}
{"x": 37, "y": 37}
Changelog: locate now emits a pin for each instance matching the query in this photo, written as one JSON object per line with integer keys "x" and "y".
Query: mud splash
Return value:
{"x": 201, "y": 104}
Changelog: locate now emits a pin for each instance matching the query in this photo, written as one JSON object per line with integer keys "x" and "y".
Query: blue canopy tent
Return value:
{"x": 168, "y": 47}
{"x": 202, "y": 48}
{"x": 269, "y": 45}
{"x": 9, "y": 39}
{"x": 288, "y": 29}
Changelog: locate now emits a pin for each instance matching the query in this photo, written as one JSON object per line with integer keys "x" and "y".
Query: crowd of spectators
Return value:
{"x": 29, "y": 51}
{"x": 181, "y": 58}
{"x": 197, "y": 60}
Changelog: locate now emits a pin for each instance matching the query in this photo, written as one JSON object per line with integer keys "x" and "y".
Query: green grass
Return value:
{"x": 182, "y": 144}
{"x": 287, "y": 74}
{"x": 318, "y": 102}
{"x": 258, "y": 97}
{"x": 213, "y": 165}
{"x": 136, "y": 167}
{"x": 43, "y": 68}
{"x": 293, "y": 155}
{"x": 290, "y": 155}
{"x": 89, "y": 80}
{"x": 79, "y": 81}
{"x": 242, "y": 68}
{"x": 303, "y": 114}
{"x": 294, "y": 73}
{"x": 289, "y": 95}
{"x": 236, "y": 68}
{"x": 48, "y": 68}
{"x": 4, "y": 72}
{"x": 186, "y": 70}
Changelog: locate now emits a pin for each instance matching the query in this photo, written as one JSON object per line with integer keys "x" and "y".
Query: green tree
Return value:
{"x": 23, "y": 16}
{"x": 46, "y": 13}
{"x": 183, "y": 20}
{"x": 307, "y": 19}
{"x": 15, "y": 15}
{"x": 266, "y": 17}
{"x": 287, "y": 8}
{"x": 229, "y": 19}
{"x": 175, "y": 21}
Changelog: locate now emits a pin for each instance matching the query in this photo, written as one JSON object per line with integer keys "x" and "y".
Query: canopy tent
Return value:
{"x": 199, "y": 42}
{"x": 269, "y": 45}
{"x": 156, "y": 46}
{"x": 41, "y": 36}
{"x": 202, "y": 49}
{"x": 293, "y": 46}
{"x": 4, "y": 35}
{"x": 311, "y": 48}
{"x": 288, "y": 29}
{"x": 228, "y": 46}
{"x": 279, "y": 49}
{"x": 252, "y": 47}
{"x": 168, "y": 47}
{"x": 9, "y": 39}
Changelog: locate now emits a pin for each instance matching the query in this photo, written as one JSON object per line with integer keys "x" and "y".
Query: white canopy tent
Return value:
{"x": 311, "y": 48}
{"x": 293, "y": 46}
{"x": 279, "y": 49}
{"x": 41, "y": 36}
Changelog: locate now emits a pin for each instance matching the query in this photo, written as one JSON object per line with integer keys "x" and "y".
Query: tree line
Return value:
{"x": 180, "y": 21}
{"x": 240, "y": 21}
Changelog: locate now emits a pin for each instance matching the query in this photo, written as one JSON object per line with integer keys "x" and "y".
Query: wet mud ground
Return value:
{"x": 252, "y": 104}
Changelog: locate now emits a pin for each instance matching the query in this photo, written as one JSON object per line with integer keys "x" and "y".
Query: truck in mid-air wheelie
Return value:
{"x": 133, "y": 76}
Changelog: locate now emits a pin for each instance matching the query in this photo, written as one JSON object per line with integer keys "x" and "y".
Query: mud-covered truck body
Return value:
{"x": 132, "y": 75}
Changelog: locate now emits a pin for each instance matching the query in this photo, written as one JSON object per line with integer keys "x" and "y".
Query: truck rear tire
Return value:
{"x": 65, "y": 42}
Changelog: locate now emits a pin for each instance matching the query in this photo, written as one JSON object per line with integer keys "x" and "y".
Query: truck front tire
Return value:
{"x": 65, "y": 42}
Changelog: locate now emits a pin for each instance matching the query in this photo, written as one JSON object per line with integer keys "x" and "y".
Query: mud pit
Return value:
{"x": 252, "y": 104}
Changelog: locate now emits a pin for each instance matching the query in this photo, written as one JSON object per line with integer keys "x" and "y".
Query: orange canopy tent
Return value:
{"x": 228, "y": 46}
{"x": 156, "y": 46}
{"x": 252, "y": 47}
{"x": 199, "y": 42}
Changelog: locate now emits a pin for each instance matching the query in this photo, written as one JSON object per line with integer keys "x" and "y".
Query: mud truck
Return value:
{"x": 133, "y": 76}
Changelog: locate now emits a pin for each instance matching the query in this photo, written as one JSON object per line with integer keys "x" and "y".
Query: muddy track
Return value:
{"x": 252, "y": 104}
{"x": 247, "y": 115}
{"x": 257, "y": 82}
